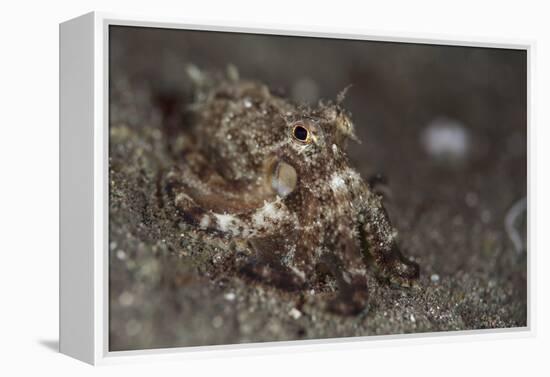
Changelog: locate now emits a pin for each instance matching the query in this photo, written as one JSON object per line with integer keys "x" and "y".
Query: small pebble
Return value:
{"x": 295, "y": 313}
{"x": 126, "y": 299}
{"x": 230, "y": 296}
{"x": 446, "y": 139}
{"x": 121, "y": 254}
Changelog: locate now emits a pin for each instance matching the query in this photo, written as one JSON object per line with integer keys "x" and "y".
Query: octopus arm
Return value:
{"x": 380, "y": 243}
{"x": 269, "y": 219}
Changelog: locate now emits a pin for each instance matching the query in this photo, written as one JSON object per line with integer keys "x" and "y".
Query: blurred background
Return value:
{"x": 445, "y": 125}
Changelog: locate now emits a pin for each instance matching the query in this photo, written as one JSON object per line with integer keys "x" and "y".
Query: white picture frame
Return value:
{"x": 84, "y": 191}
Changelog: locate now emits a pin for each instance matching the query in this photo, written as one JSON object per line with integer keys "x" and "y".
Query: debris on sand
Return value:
{"x": 511, "y": 221}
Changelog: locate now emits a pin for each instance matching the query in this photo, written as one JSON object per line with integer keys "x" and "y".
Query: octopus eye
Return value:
{"x": 301, "y": 133}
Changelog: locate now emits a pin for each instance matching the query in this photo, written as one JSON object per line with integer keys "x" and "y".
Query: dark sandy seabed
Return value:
{"x": 450, "y": 205}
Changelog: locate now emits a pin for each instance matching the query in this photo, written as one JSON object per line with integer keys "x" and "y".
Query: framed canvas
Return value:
{"x": 246, "y": 188}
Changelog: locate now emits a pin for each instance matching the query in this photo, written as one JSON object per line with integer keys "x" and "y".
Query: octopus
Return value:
{"x": 273, "y": 176}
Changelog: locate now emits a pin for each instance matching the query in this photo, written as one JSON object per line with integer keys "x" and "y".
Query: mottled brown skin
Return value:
{"x": 316, "y": 218}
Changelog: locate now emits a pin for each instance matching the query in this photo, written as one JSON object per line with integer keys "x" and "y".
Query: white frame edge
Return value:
{"x": 84, "y": 213}
{"x": 76, "y": 190}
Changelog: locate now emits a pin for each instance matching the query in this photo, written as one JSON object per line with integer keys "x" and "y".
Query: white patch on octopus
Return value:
{"x": 289, "y": 256}
{"x": 353, "y": 175}
{"x": 346, "y": 277}
{"x": 269, "y": 213}
{"x": 205, "y": 221}
{"x": 301, "y": 274}
{"x": 337, "y": 183}
{"x": 357, "y": 271}
{"x": 225, "y": 221}
{"x": 181, "y": 198}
